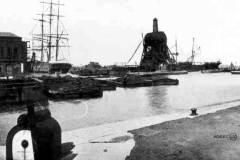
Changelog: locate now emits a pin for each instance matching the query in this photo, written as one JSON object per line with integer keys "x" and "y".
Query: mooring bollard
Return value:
{"x": 193, "y": 112}
{"x": 24, "y": 145}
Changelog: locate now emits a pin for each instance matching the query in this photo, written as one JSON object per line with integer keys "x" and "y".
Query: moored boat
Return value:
{"x": 70, "y": 88}
{"x": 211, "y": 71}
{"x": 235, "y": 72}
{"x": 131, "y": 80}
{"x": 159, "y": 73}
{"x": 106, "y": 85}
{"x": 66, "y": 93}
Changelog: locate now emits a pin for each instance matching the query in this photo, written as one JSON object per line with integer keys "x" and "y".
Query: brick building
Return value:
{"x": 13, "y": 54}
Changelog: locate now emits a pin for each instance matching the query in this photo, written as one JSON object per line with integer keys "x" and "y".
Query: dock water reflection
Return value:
{"x": 194, "y": 90}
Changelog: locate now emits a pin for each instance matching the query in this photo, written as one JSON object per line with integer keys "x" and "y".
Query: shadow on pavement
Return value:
{"x": 67, "y": 153}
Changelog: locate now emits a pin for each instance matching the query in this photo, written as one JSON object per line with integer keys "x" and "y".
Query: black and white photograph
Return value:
{"x": 119, "y": 80}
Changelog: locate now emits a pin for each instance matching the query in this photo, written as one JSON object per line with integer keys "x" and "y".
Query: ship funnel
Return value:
{"x": 155, "y": 25}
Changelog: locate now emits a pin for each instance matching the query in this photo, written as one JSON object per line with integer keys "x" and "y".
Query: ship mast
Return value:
{"x": 50, "y": 33}
{"x": 57, "y": 39}
{"x": 42, "y": 44}
{"x": 37, "y": 36}
{"x": 176, "y": 50}
{"x": 193, "y": 52}
{"x": 51, "y": 40}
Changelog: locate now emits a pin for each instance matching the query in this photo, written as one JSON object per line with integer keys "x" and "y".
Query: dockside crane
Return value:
{"x": 155, "y": 50}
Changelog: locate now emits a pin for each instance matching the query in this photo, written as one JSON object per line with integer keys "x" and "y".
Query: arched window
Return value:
{"x": 1, "y": 52}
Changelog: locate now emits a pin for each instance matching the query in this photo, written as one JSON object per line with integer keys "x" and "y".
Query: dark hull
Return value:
{"x": 188, "y": 66}
{"x": 75, "y": 94}
{"x": 211, "y": 71}
{"x": 235, "y": 72}
{"x": 68, "y": 87}
{"x": 60, "y": 67}
{"x": 106, "y": 85}
{"x": 163, "y": 81}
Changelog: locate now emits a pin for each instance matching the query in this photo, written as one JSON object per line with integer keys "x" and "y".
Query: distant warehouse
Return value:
{"x": 13, "y": 54}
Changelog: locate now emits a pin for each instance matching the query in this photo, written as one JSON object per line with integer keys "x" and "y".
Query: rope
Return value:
{"x": 135, "y": 51}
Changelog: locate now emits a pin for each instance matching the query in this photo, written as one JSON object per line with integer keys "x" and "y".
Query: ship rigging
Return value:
{"x": 53, "y": 35}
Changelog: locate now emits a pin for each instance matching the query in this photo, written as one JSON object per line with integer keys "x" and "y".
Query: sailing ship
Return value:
{"x": 49, "y": 47}
{"x": 191, "y": 65}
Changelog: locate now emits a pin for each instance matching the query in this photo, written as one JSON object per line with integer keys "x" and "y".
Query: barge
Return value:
{"x": 140, "y": 81}
{"x": 68, "y": 87}
{"x": 73, "y": 93}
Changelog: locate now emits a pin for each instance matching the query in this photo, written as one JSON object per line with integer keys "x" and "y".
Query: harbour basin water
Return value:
{"x": 202, "y": 91}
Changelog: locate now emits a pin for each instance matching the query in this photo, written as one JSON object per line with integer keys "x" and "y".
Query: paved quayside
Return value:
{"x": 112, "y": 141}
{"x": 213, "y": 136}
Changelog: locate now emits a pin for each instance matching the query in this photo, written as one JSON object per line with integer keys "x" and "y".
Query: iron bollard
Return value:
{"x": 193, "y": 112}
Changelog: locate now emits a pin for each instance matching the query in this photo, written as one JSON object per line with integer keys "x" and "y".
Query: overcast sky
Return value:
{"x": 108, "y": 31}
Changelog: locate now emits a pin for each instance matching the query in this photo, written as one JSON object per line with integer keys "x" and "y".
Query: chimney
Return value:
{"x": 155, "y": 25}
